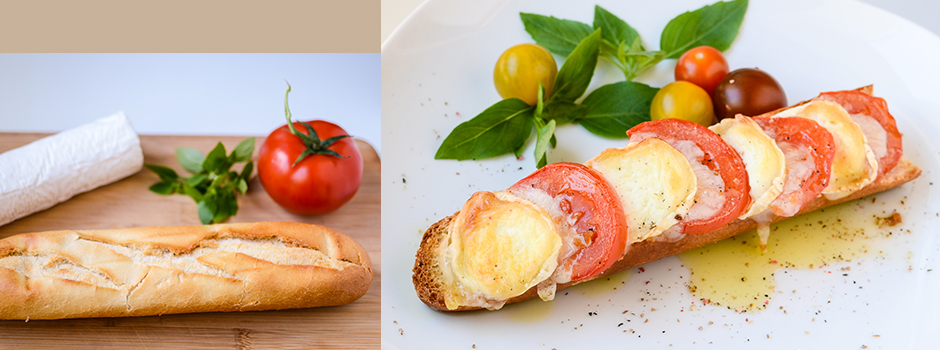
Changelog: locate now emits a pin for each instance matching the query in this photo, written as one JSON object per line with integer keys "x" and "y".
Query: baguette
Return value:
{"x": 182, "y": 269}
{"x": 428, "y": 276}
{"x": 427, "y": 273}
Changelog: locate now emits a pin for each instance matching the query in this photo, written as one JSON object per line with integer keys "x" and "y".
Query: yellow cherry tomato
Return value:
{"x": 683, "y": 100}
{"x": 520, "y": 69}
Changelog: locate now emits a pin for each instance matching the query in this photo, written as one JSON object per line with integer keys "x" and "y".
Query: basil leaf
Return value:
{"x": 244, "y": 150}
{"x": 502, "y": 128}
{"x": 242, "y": 186}
{"x": 563, "y": 112}
{"x": 246, "y": 171}
{"x": 575, "y": 74}
{"x": 215, "y": 160}
{"x": 636, "y": 62}
{"x": 615, "y": 108}
{"x": 205, "y": 212}
{"x": 195, "y": 180}
{"x": 191, "y": 191}
{"x": 190, "y": 158}
{"x": 614, "y": 30}
{"x": 545, "y": 133}
{"x": 560, "y": 36}
{"x": 165, "y": 174}
{"x": 225, "y": 206}
{"x": 715, "y": 25}
{"x": 163, "y": 188}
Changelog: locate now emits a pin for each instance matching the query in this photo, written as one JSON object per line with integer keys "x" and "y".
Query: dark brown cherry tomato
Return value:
{"x": 747, "y": 91}
{"x": 704, "y": 66}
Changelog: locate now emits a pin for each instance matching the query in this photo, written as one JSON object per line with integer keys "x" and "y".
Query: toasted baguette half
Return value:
{"x": 427, "y": 275}
{"x": 179, "y": 269}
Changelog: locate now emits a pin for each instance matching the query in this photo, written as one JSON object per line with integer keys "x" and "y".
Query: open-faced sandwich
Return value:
{"x": 674, "y": 187}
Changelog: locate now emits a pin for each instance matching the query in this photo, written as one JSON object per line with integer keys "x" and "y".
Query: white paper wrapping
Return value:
{"x": 53, "y": 169}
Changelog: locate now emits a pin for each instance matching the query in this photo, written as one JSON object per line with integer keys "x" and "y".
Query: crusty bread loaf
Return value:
{"x": 181, "y": 269}
{"x": 427, "y": 273}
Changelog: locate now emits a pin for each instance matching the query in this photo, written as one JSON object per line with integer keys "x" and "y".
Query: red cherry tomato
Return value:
{"x": 808, "y": 148}
{"x": 704, "y": 66}
{"x": 320, "y": 183}
{"x": 593, "y": 205}
{"x": 857, "y": 102}
{"x": 718, "y": 156}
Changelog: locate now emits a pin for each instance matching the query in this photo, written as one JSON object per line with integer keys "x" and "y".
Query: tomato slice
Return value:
{"x": 809, "y": 150}
{"x": 592, "y": 205}
{"x": 718, "y": 158}
{"x": 857, "y": 102}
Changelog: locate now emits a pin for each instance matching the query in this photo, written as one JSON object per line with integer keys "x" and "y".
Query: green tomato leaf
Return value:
{"x": 502, "y": 128}
{"x": 166, "y": 174}
{"x": 164, "y": 188}
{"x": 244, "y": 150}
{"x": 215, "y": 160}
{"x": 563, "y": 112}
{"x": 206, "y": 212}
{"x": 575, "y": 74}
{"x": 615, "y": 108}
{"x": 190, "y": 158}
{"x": 614, "y": 30}
{"x": 545, "y": 133}
{"x": 715, "y": 25}
{"x": 560, "y": 36}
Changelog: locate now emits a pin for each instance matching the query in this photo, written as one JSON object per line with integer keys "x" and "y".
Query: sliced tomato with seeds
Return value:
{"x": 592, "y": 205}
{"x": 808, "y": 149}
{"x": 719, "y": 170}
{"x": 857, "y": 102}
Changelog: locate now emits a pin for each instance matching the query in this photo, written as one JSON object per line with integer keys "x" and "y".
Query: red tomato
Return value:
{"x": 718, "y": 156}
{"x": 803, "y": 141}
{"x": 593, "y": 205}
{"x": 857, "y": 102}
{"x": 320, "y": 183}
{"x": 704, "y": 66}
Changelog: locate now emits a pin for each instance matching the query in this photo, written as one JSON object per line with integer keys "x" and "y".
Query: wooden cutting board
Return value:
{"x": 128, "y": 203}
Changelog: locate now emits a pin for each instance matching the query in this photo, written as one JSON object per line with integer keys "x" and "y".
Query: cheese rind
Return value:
{"x": 655, "y": 182}
{"x": 499, "y": 246}
{"x": 53, "y": 169}
{"x": 854, "y": 165}
{"x": 764, "y": 161}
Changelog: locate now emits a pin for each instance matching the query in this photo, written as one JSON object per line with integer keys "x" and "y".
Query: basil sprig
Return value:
{"x": 505, "y": 126}
{"x": 213, "y": 184}
{"x": 610, "y": 110}
{"x": 715, "y": 25}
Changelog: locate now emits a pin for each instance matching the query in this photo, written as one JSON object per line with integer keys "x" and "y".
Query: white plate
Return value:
{"x": 436, "y": 73}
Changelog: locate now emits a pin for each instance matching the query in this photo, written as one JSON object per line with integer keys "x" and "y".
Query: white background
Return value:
{"x": 190, "y": 94}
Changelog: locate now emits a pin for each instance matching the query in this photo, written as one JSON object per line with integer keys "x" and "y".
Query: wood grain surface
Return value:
{"x": 128, "y": 203}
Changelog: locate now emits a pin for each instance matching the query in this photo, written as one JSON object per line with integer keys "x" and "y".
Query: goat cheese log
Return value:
{"x": 676, "y": 186}
{"x": 181, "y": 269}
{"x": 53, "y": 169}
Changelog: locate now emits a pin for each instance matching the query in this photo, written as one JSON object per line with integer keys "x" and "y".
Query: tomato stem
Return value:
{"x": 311, "y": 139}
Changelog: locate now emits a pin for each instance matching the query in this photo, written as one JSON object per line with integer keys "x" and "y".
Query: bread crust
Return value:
{"x": 427, "y": 275}
{"x": 179, "y": 269}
